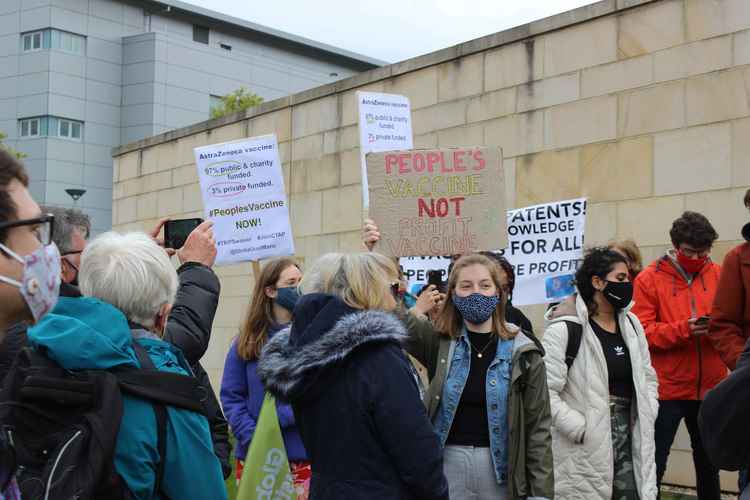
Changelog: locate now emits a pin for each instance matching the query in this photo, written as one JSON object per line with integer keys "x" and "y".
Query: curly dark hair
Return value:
{"x": 506, "y": 266}
{"x": 693, "y": 229}
{"x": 598, "y": 261}
{"x": 747, "y": 198}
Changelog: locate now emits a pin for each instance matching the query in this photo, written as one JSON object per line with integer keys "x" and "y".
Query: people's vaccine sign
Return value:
{"x": 384, "y": 125}
{"x": 545, "y": 246}
{"x": 243, "y": 193}
{"x": 438, "y": 201}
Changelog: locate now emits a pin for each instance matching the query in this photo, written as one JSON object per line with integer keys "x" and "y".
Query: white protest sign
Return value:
{"x": 384, "y": 125}
{"x": 243, "y": 193}
{"x": 545, "y": 247}
{"x": 415, "y": 270}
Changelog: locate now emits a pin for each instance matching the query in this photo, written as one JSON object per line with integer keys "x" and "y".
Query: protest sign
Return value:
{"x": 384, "y": 125}
{"x": 243, "y": 193}
{"x": 545, "y": 247}
{"x": 438, "y": 201}
{"x": 416, "y": 268}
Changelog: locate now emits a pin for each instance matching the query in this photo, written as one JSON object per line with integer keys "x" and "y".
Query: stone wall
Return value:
{"x": 640, "y": 105}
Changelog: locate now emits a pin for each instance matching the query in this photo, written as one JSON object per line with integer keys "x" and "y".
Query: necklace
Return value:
{"x": 489, "y": 342}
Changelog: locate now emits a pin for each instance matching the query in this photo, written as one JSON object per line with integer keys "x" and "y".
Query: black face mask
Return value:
{"x": 619, "y": 293}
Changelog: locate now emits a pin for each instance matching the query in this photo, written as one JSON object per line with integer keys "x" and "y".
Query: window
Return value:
{"x": 225, "y": 46}
{"x": 53, "y": 39}
{"x": 32, "y": 41}
{"x": 52, "y": 126}
{"x": 67, "y": 42}
{"x": 200, "y": 34}
{"x": 69, "y": 129}
{"x": 30, "y": 127}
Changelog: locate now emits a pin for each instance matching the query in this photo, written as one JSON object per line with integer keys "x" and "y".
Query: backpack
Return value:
{"x": 575, "y": 334}
{"x": 64, "y": 424}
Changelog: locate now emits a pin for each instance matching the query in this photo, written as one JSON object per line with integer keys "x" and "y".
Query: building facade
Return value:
{"x": 79, "y": 77}
{"x": 641, "y": 106}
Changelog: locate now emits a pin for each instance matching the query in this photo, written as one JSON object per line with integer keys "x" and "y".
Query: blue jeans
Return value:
{"x": 670, "y": 415}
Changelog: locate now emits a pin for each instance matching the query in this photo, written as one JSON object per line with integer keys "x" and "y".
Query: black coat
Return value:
{"x": 356, "y": 402}
{"x": 189, "y": 328}
{"x": 724, "y": 416}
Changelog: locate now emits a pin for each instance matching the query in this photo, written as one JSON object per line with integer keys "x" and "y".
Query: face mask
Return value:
{"x": 619, "y": 293}
{"x": 691, "y": 266}
{"x": 287, "y": 297}
{"x": 476, "y": 308}
{"x": 40, "y": 284}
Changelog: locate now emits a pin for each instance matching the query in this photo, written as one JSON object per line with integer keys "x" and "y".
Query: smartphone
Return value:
{"x": 176, "y": 231}
{"x": 435, "y": 277}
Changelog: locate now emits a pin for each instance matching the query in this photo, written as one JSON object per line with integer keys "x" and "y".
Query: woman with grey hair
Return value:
{"x": 354, "y": 395}
{"x": 129, "y": 286}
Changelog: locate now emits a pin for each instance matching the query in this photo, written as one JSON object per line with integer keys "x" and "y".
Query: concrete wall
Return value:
{"x": 640, "y": 105}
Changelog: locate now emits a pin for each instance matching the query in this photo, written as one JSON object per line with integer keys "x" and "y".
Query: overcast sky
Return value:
{"x": 391, "y": 30}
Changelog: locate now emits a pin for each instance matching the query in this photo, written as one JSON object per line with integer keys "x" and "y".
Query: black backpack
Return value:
{"x": 575, "y": 334}
{"x": 64, "y": 424}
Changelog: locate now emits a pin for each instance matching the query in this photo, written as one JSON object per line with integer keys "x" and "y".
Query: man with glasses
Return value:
{"x": 29, "y": 274}
{"x": 673, "y": 300}
{"x": 72, "y": 229}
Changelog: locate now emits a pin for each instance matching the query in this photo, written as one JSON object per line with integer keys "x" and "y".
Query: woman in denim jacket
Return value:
{"x": 488, "y": 397}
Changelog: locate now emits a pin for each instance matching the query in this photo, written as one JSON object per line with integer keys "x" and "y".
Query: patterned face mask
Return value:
{"x": 40, "y": 284}
{"x": 476, "y": 308}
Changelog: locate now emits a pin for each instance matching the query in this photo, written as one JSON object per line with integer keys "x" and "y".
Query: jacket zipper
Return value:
{"x": 57, "y": 462}
{"x": 698, "y": 346}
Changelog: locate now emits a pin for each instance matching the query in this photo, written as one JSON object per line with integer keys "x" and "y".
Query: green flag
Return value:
{"x": 267, "y": 475}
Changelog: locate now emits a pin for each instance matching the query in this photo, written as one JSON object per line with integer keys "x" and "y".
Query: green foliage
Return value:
{"x": 10, "y": 150}
{"x": 239, "y": 100}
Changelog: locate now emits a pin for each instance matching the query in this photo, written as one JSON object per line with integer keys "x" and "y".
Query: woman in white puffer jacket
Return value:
{"x": 604, "y": 398}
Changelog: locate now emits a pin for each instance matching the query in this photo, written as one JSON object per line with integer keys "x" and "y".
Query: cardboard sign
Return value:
{"x": 438, "y": 201}
{"x": 243, "y": 193}
{"x": 545, "y": 246}
{"x": 384, "y": 125}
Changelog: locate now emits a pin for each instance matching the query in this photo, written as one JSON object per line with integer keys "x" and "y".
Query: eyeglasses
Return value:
{"x": 43, "y": 230}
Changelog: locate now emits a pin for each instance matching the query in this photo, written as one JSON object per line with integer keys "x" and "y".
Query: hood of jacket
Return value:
{"x": 84, "y": 334}
{"x": 566, "y": 308}
{"x": 325, "y": 331}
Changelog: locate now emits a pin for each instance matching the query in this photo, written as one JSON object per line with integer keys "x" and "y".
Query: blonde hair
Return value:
{"x": 629, "y": 249}
{"x": 450, "y": 323}
{"x": 361, "y": 280}
{"x": 259, "y": 317}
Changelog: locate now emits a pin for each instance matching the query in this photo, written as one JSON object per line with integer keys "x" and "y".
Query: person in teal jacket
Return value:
{"x": 128, "y": 286}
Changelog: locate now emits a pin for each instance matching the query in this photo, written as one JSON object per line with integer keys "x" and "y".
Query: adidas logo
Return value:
{"x": 620, "y": 350}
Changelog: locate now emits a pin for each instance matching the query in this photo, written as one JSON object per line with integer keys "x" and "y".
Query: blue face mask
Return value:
{"x": 476, "y": 308}
{"x": 287, "y": 297}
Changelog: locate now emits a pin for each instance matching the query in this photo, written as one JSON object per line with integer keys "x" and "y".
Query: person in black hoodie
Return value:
{"x": 351, "y": 387}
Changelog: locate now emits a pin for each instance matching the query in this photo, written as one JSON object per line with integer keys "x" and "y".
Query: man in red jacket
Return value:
{"x": 673, "y": 298}
{"x": 730, "y": 318}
